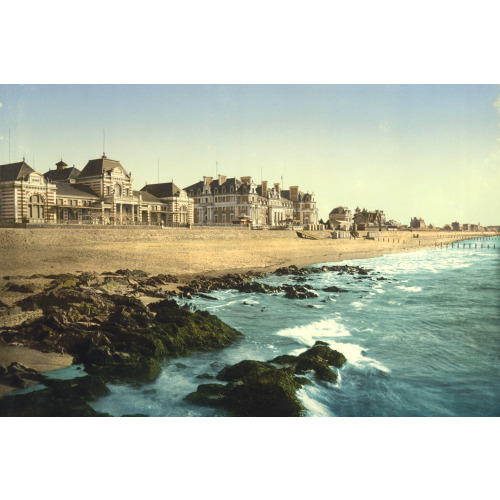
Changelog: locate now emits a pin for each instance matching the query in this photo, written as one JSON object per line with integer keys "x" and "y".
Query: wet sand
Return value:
{"x": 40, "y": 361}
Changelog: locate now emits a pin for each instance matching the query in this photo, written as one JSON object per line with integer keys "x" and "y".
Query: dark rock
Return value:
{"x": 209, "y": 297}
{"x": 61, "y": 398}
{"x": 208, "y": 395}
{"x": 242, "y": 369}
{"x": 258, "y": 388}
{"x": 298, "y": 292}
{"x": 319, "y": 358}
{"x": 28, "y": 288}
{"x": 136, "y": 274}
{"x": 205, "y": 376}
{"x": 334, "y": 289}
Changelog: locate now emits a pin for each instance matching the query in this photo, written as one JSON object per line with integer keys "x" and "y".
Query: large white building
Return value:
{"x": 225, "y": 201}
{"x": 102, "y": 193}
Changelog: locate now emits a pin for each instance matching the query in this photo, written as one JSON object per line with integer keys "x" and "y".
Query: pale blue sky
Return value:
{"x": 429, "y": 151}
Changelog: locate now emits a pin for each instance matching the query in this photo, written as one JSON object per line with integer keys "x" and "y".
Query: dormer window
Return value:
{"x": 216, "y": 191}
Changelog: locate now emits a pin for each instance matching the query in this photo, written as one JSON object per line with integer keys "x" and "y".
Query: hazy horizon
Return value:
{"x": 429, "y": 151}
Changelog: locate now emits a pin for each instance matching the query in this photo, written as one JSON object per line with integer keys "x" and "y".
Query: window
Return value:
{"x": 36, "y": 209}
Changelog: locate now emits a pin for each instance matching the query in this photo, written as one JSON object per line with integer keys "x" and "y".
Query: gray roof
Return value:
{"x": 14, "y": 171}
{"x": 215, "y": 184}
{"x": 148, "y": 196}
{"x": 75, "y": 190}
{"x": 62, "y": 175}
{"x": 162, "y": 190}
{"x": 99, "y": 166}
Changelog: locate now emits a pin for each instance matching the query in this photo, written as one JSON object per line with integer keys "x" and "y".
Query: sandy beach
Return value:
{"x": 187, "y": 252}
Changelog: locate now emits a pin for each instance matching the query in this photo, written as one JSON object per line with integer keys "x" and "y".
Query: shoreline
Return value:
{"x": 187, "y": 253}
{"x": 191, "y": 254}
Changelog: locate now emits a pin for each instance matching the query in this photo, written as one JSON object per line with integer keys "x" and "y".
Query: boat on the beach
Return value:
{"x": 307, "y": 236}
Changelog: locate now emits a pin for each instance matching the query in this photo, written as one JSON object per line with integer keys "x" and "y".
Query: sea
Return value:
{"x": 421, "y": 334}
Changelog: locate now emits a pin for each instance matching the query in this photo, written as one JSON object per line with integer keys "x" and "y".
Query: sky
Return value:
{"x": 429, "y": 151}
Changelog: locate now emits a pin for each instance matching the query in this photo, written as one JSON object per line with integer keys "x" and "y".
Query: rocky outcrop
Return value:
{"x": 19, "y": 376}
{"x": 117, "y": 336}
{"x": 60, "y": 398}
{"x": 268, "y": 389}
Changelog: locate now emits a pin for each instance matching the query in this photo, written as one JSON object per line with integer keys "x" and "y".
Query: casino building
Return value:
{"x": 102, "y": 193}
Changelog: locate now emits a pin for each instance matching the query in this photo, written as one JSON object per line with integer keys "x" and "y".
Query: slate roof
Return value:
{"x": 99, "y": 166}
{"x": 14, "y": 171}
{"x": 147, "y": 196}
{"x": 162, "y": 190}
{"x": 215, "y": 184}
{"x": 75, "y": 190}
{"x": 62, "y": 175}
{"x": 195, "y": 187}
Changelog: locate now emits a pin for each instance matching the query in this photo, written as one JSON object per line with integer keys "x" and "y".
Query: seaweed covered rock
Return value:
{"x": 117, "y": 336}
{"x": 319, "y": 359}
{"x": 256, "y": 390}
{"x": 268, "y": 389}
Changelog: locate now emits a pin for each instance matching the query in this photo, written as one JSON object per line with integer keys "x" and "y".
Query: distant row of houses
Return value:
{"x": 102, "y": 193}
{"x": 341, "y": 218}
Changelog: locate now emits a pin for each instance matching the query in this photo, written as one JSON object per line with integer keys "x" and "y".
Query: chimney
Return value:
{"x": 264, "y": 189}
{"x": 222, "y": 179}
{"x": 247, "y": 180}
{"x": 294, "y": 193}
{"x": 277, "y": 187}
{"x": 207, "y": 180}
{"x": 61, "y": 165}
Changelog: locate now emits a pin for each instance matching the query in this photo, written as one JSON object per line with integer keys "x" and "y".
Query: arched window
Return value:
{"x": 118, "y": 190}
{"x": 36, "y": 208}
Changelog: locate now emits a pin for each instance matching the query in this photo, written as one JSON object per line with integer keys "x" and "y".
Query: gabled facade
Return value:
{"x": 101, "y": 193}
{"x": 165, "y": 204}
{"x": 25, "y": 195}
{"x": 226, "y": 201}
{"x": 340, "y": 218}
{"x": 305, "y": 211}
{"x": 364, "y": 220}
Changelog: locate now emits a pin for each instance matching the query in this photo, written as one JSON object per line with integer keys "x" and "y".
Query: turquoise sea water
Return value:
{"x": 425, "y": 341}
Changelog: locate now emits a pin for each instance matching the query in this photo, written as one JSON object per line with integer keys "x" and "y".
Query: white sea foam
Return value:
{"x": 357, "y": 304}
{"x": 313, "y": 407}
{"x": 410, "y": 288}
{"x": 308, "y": 334}
{"x": 250, "y": 301}
{"x": 354, "y": 355}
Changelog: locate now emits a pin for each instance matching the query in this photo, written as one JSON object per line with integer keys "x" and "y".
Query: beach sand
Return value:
{"x": 187, "y": 252}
